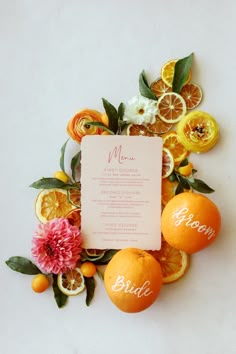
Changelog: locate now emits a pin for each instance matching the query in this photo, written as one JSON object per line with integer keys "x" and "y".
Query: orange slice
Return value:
{"x": 192, "y": 95}
{"x": 171, "y": 142}
{"x": 172, "y": 107}
{"x": 51, "y": 204}
{"x": 74, "y": 196}
{"x": 94, "y": 254}
{"x": 159, "y": 127}
{"x": 173, "y": 262}
{"x": 74, "y": 217}
{"x": 168, "y": 163}
{"x": 198, "y": 131}
{"x": 168, "y": 70}
{"x": 167, "y": 190}
{"x": 159, "y": 87}
{"x": 136, "y": 129}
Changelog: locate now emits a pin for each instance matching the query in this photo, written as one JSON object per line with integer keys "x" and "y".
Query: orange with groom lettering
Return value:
{"x": 133, "y": 280}
{"x": 190, "y": 222}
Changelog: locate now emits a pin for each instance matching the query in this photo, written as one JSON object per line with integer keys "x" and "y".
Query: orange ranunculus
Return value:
{"x": 78, "y": 126}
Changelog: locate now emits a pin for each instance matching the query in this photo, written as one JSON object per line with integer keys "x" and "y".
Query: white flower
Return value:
{"x": 140, "y": 110}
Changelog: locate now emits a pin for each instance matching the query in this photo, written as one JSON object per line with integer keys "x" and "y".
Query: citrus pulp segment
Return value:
{"x": 71, "y": 282}
{"x": 172, "y": 107}
{"x": 192, "y": 94}
{"x": 51, "y": 204}
{"x": 173, "y": 262}
{"x": 198, "y": 131}
{"x": 168, "y": 163}
{"x": 171, "y": 142}
{"x": 159, "y": 87}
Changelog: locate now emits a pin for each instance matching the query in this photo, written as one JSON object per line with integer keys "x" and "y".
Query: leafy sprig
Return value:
{"x": 144, "y": 87}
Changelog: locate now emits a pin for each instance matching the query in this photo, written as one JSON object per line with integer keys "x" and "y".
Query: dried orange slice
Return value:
{"x": 51, "y": 204}
{"x": 94, "y": 254}
{"x": 198, "y": 131}
{"x": 159, "y": 87}
{"x": 168, "y": 70}
{"x": 167, "y": 190}
{"x": 74, "y": 217}
{"x": 192, "y": 94}
{"x": 136, "y": 129}
{"x": 159, "y": 127}
{"x": 171, "y": 142}
{"x": 74, "y": 195}
{"x": 168, "y": 163}
{"x": 173, "y": 262}
{"x": 172, "y": 107}
{"x": 71, "y": 282}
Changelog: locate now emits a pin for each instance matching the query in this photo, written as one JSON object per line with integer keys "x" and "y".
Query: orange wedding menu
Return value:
{"x": 121, "y": 189}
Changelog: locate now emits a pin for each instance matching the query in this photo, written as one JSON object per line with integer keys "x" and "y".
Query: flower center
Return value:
{"x": 49, "y": 250}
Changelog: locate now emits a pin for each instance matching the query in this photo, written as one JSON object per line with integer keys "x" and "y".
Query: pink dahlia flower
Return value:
{"x": 56, "y": 246}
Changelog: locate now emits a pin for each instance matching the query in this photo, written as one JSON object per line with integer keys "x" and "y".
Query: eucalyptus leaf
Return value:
{"x": 144, "y": 88}
{"x": 60, "y": 298}
{"x": 62, "y": 158}
{"x": 90, "y": 289}
{"x": 22, "y": 265}
{"x": 48, "y": 183}
{"x": 201, "y": 186}
{"x": 112, "y": 115}
{"x": 75, "y": 163}
{"x": 182, "y": 69}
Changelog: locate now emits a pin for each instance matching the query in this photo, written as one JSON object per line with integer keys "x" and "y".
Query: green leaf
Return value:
{"x": 200, "y": 186}
{"x": 62, "y": 158}
{"x": 101, "y": 125}
{"x": 100, "y": 274}
{"x": 121, "y": 111}
{"x": 60, "y": 298}
{"x": 183, "y": 163}
{"x": 90, "y": 288}
{"x": 75, "y": 163}
{"x": 48, "y": 183}
{"x": 112, "y": 115}
{"x": 22, "y": 265}
{"x": 179, "y": 189}
{"x": 144, "y": 88}
{"x": 184, "y": 182}
{"x": 106, "y": 258}
{"x": 182, "y": 68}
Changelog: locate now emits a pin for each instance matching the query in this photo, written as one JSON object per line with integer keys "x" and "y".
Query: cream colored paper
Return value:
{"x": 121, "y": 192}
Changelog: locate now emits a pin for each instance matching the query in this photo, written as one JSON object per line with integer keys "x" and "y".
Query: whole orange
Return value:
{"x": 40, "y": 283}
{"x": 133, "y": 279}
{"x": 190, "y": 222}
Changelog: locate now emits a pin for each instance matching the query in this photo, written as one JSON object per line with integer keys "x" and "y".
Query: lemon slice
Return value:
{"x": 168, "y": 163}
{"x": 198, "y": 131}
{"x": 71, "y": 283}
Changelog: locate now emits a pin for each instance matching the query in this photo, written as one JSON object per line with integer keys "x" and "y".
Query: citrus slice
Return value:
{"x": 159, "y": 87}
{"x": 159, "y": 127}
{"x": 168, "y": 71}
{"x": 94, "y": 254}
{"x": 172, "y": 107}
{"x": 136, "y": 129}
{"x": 192, "y": 95}
{"x": 71, "y": 282}
{"x": 168, "y": 163}
{"x": 173, "y": 262}
{"x": 74, "y": 195}
{"x": 167, "y": 190}
{"x": 51, "y": 204}
{"x": 171, "y": 142}
{"x": 198, "y": 131}
{"x": 74, "y": 217}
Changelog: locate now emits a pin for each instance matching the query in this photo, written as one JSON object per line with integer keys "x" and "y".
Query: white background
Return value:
{"x": 57, "y": 57}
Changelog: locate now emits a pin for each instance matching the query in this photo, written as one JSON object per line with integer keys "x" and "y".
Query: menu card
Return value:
{"x": 121, "y": 192}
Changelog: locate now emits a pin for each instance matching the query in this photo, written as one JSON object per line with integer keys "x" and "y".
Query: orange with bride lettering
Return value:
{"x": 133, "y": 279}
{"x": 190, "y": 222}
